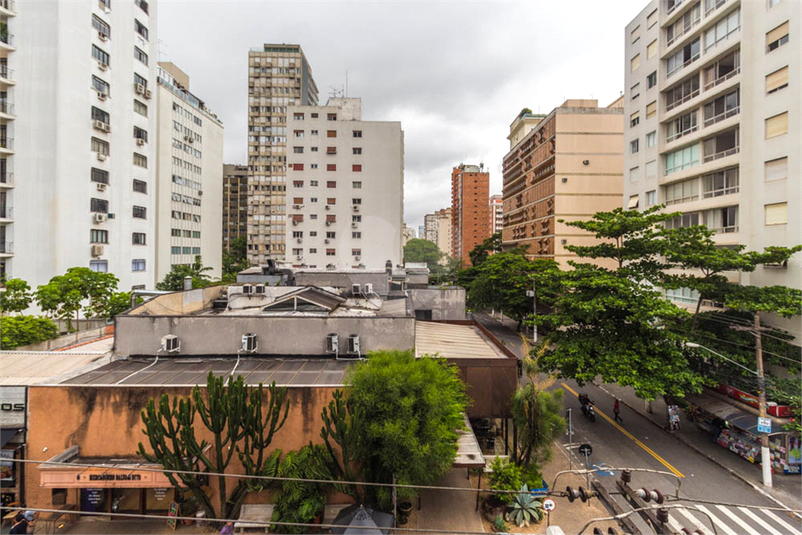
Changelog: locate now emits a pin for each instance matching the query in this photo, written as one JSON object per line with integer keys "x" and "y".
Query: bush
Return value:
{"x": 499, "y": 526}
{"x": 18, "y": 331}
{"x": 532, "y": 476}
{"x": 505, "y": 476}
{"x": 525, "y": 508}
{"x": 301, "y": 501}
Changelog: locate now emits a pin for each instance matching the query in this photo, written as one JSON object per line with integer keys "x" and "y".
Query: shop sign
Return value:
{"x": 83, "y": 478}
{"x": 763, "y": 425}
{"x": 12, "y": 406}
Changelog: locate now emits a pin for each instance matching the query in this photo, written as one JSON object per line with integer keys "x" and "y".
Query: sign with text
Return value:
{"x": 12, "y": 406}
{"x": 101, "y": 478}
{"x": 764, "y": 425}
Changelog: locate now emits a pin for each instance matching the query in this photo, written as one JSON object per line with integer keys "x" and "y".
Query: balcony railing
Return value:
{"x": 722, "y": 79}
{"x": 6, "y": 142}
{"x": 6, "y": 73}
{"x": 7, "y": 38}
{"x": 678, "y": 135}
{"x": 721, "y": 191}
{"x": 6, "y": 247}
{"x": 6, "y": 212}
{"x": 7, "y": 178}
{"x": 721, "y": 154}
{"x": 683, "y": 100}
{"x": 9, "y": 5}
{"x": 712, "y": 5}
{"x": 6, "y": 107}
{"x": 724, "y": 230}
{"x": 673, "y": 8}
{"x": 681, "y": 30}
{"x": 723, "y": 115}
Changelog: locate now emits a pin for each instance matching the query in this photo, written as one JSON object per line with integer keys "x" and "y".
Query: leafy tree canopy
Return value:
{"x": 480, "y": 253}
{"x": 16, "y": 297}
{"x": 236, "y": 258}
{"x": 418, "y": 250}
{"x": 174, "y": 280}
{"x": 18, "y": 331}
{"x": 65, "y": 295}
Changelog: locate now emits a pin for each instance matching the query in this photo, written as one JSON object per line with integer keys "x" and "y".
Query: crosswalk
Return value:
{"x": 733, "y": 520}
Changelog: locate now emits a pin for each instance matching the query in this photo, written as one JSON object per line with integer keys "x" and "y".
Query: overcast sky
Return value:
{"x": 454, "y": 73}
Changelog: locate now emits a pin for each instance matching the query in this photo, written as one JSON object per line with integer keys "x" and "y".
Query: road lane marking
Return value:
{"x": 674, "y": 524}
{"x": 629, "y": 435}
{"x": 698, "y": 524}
{"x": 782, "y": 522}
{"x": 759, "y": 520}
{"x": 740, "y": 522}
{"x": 716, "y": 520}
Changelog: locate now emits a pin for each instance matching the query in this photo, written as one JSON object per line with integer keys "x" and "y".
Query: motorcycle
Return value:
{"x": 587, "y": 407}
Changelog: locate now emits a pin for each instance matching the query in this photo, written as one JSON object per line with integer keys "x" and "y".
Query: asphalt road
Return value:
{"x": 637, "y": 443}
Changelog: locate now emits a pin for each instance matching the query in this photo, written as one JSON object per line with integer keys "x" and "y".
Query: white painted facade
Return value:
{"x": 189, "y": 192}
{"x": 8, "y": 114}
{"x": 345, "y": 187}
{"x": 75, "y": 70}
{"x": 496, "y": 213}
{"x": 717, "y": 135}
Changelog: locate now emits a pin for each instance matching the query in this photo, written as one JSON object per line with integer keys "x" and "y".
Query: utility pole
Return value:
{"x": 533, "y": 295}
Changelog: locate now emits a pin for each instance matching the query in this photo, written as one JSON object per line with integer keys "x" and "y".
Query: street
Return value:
{"x": 638, "y": 443}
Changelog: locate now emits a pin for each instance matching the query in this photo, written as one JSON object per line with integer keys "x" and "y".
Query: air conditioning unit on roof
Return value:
{"x": 332, "y": 343}
{"x": 259, "y": 289}
{"x": 171, "y": 344}
{"x": 247, "y": 289}
{"x": 249, "y": 344}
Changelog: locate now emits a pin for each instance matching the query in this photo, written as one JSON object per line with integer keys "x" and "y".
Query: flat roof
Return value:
{"x": 22, "y": 368}
{"x": 453, "y": 341}
{"x": 187, "y": 371}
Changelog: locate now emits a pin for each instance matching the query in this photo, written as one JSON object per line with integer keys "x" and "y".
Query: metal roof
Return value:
{"x": 453, "y": 341}
{"x": 22, "y": 368}
{"x": 182, "y": 371}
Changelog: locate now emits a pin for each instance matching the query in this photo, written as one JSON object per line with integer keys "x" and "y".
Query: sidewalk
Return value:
{"x": 787, "y": 488}
{"x": 449, "y": 510}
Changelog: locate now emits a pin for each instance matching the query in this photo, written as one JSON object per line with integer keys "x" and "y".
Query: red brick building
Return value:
{"x": 470, "y": 210}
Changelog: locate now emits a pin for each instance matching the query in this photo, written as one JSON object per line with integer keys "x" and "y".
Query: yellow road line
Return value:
{"x": 629, "y": 435}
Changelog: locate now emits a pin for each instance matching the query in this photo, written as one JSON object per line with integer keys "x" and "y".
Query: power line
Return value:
{"x": 677, "y": 329}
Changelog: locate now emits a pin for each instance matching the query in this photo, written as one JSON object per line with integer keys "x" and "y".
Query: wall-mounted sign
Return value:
{"x": 66, "y": 477}
{"x": 12, "y": 406}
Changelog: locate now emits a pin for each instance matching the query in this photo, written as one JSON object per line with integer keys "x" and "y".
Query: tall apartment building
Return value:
{"x": 444, "y": 232}
{"x": 8, "y": 80}
{"x": 278, "y": 77}
{"x": 714, "y": 122}
{"x": 523, "y": 123}
{"x": 189, "y": 169}
{"x": 235, "y": 203}
{"x": 82, "y": 146}
{"x": 430, "y": 227}
{"x": 568, "y": 167}
{"x": 470, "y": 191}
{"x": 496, "y": 208}
{"x": 345, "y": 198}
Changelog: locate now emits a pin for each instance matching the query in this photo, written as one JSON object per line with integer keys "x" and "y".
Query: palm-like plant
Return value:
{"x": 525, "y": 508}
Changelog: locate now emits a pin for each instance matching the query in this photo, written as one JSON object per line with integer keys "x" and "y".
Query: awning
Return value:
{"x": 469, "y": 454}
{"x": 730, "y": 414}
{"x": 7, "y": 434}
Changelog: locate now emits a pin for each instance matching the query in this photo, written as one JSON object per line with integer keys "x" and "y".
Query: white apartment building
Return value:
{"x": 345, "y": 187}
{"x": 430, "y": 227}
{"x": 8, "y": 12}
{"x": 82, "y": 146}
{"x": 278, "y": 77}
{"x": 189, "y": 174}
{"x": 714, "y": 122}
{"x": 496, "y": 213}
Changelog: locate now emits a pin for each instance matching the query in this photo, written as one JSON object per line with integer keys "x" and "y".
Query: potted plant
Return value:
{"x": 525, "y": 508}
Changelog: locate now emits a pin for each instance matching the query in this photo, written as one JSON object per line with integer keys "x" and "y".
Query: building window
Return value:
{"x": 175, "y": 250}
{"x": 140, "y": 80}
{"x": 777, "y": 214}
{"x": 357, "y": 133}
{"x": 138, "y": 264}
{"x": 140, "y": 108}
{"x": 141, "y": 29}
{"x": 634, "y": 174}
{"x": 297, "y": 234}
{"x": 634, "y": 35}
{"x": 777, "y": 80}
{"x": 331, "y": 150}
{"x": 331, "y": 235}
{"x": 331, "y": 167}
{"x": 140, "y": 212}
{"x": 683, "y": 295}
{"x": 633, "y": 202}
{"x": 313, "y": 250}
{"x": 651, "y": 139}
{"x": 682, "y": 159}
{"x": 312, "y": 199}
{"x": 141, "y": 56}
{"x": 651, "y": 198}
{"x": 720, "y": 183}
{"x": 634, "y": 119}
{"x": 297, "y": 167}
{"x": 651, "y": 49}
{"x": 313, "y": 132}
{"x": 331, "y": 133}
{"x": 313, "y": 216}
{"x": 139, "y": 133}
{"x": 331, "y": 117}
{"x": 356, "y": 252}
{"x": 298, "y": 150}
{"x": 651, "y": 169}
{"x": 98, "y": 236}
{"x": 633, "y": 146}
{"x": 651, "y": 20}
{"x": 681, "y": 93}
{"x": 297, "y": 183}
{"x": 681, "y": 126}
{"x": 357, "y": 150}
{"x": 100, "y": 266}
{"x": 356, "y": 202}
{"x": 100, "y": 115}
{"x": 100, "y": 176}
{"x": 101, "y": 26}
{"x": 634, "y": 91}
{"x": 140, "y": 186}
{"x": 313, "y": 149}
{"x": 777, "y": 125}
{"x": 143, "y": 5}
{"x": 176, "y": 232}
{"x": 100, "y": 55}
{"x": 682, "y": 221}
{"x": 331, "y": 201}
{"x": 356, "y": 235}
{"x": 686, "y": 56}
{"x": 651, "y": 80}
{"x": 298, "y": 116}
{"x": 651, "y": 109}
{"x": 313, "y": 165}
{"x": 356, "y": 219}
{"x": 356, "y": 185}
{"x": 100, "y": 146}
{"x": 331, "y": 252}
{"x": 777, "y": 37}
{"x": 99, "y": 206}
{"x": 776, "y": 169}
{"x": 138, "y": 238}
{"x": 721, "y": 220}
{"x": 313, "y": 182}
{"x": 140, "y": 160}
{"x": 100, "y": 86}
{"x": 634, "y": 63}
{"x": 723, "y": 29}
{"x": 298, "y": 133}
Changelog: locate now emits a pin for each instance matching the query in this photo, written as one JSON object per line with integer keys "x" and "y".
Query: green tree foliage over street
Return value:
{"x": 64, "y": 296}
{"x": 174, "y": 280}
{"x": 242, "y": 420}
{"x": 18, "y": 331}
{"x": 17, "y": 296}
{"x": 418, "y": 250}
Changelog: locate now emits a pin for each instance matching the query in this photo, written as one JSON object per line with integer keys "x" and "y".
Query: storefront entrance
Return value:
{"x": 134, "y": 501}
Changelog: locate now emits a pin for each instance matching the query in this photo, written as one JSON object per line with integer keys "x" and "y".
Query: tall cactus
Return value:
{"x": 233, "y": 414}
{"x": 341, "y": 424}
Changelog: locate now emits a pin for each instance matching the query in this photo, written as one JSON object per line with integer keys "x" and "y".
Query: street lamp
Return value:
{"x": 761, "y": 384}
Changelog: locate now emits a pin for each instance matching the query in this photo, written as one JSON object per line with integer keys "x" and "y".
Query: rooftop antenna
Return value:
{"x": 346, "y": 84}
{"x": 335, "y": 92}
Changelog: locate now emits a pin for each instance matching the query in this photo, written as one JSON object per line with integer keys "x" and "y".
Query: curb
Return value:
{"x": 712, "y": 459}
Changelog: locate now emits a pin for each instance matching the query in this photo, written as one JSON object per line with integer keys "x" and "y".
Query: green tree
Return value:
{"x": 118, "y": 302}
{"x": 489, "y": 246}
{"x": 174, "y": 280}
{"x": 65, "y": 295}
{"x": 18, "y": 331}
{"x": 417, "y": 250}
{"x": 235, "y": 258}
{"x": 446, "y": 272}
{"x": 301, "y": 501}
{"x": 16, "y": 297}
{"x": 410, "y": 411}
{"x": 240, "y": 422}
{"x": 537, "y": 417}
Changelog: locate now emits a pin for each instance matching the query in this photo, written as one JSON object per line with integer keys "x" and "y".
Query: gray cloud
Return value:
{"x": 454, "y": 74}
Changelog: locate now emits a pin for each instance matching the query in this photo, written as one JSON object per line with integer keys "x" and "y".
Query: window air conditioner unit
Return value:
{"x": 296, "y": 206}
{"x": 328, "y": 223}
{"x": 356, "y": 208}
{"x": 294, "y": 222}
{"x": 102, "y": 66}
{"x": 97, "y": 250}
{"x": 259, "y": 289}
{"x": 102, "y": 36}
{"x": 100, "y": 125}
{"x": 353, "y": 344}
{"x": 357, "y": 258}
{"x": 101, "y": 157}
{"x": 101, "y": 95}
{"x": 356, "y": 289}
{"x": 300, "y": 240}
{"x": 328, "y": 207}
{"x": 299, "y": 257}
{"x": 249, "y": 344}
{"x": 139, "y": 88}
{"x": 140, "y": 141}
{"x": 148, "y": 93}
{"x": 171, "y": 344}
{"x": 107, "y": 128}
{"x": 99, "y": 218}
{"x": 332, "y": 343}
{"x": 326, "y": 240}
{"x": 353, "y": 225}
{"x": 101, "y": 187}
{"x": 247, "y": 289}
{"x": 368, "y": 287}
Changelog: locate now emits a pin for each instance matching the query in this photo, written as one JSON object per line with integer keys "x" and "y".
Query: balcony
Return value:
{"x": 6, "y": 247}
{"x": 712, "y": 5}
{"x": 8, "y": 8}
{"x": 7, "y": 41}
{"x": 6, "y": 75}
{"x": 6, "y": 214}
{"x": 7, "y": 180}
{"x": 721, "y": 116}
{"x": 6, "y": 110}
{"x": 720, "y": 146}
{"x": 6, "y": 144}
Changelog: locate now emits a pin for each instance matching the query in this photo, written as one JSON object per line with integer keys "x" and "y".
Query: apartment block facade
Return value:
{"x": 444, "y": 232}
{"x": 714, "y": 122}
{"x": 82, "y": 144}
{"x": 235, "y": 203}
{"x": 189, "y": 161}
{"x": 568, "y": 167}
{"x": 8, "y": 82}
{"x": 430, "y": 228}
{"x": 496, "y": 213}
{"x": 279, "y": 76}
{"x": 470, "y": 212}
{"x": 345, "y": 188}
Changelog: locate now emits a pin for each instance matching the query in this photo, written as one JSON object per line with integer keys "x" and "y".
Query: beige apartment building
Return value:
{"x": 713, "y": 125}
{"x": 569, "y": 166}
{"x": 235, "y": 203}
{"x": 444, "y": 232}
{"x": 278, "y": 77}
{"x": 522, "y": 125}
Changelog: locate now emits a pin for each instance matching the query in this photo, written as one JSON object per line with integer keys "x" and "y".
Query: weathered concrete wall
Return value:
{"x": 179, "y": 302}
{"x": 69, "y": 339}
{"x": 222, "y": 335}
{"x": 345, "y": 280}
{"x": 106, "y": 422}
{"x": 445, "y": 303}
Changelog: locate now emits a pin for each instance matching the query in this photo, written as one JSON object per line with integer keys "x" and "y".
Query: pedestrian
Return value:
{"x": 22, "y": 525}
{"x": 617, "y": 411}
{"x": 227, "y": 528}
